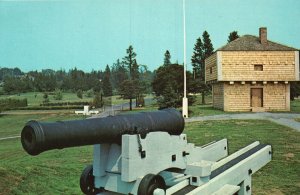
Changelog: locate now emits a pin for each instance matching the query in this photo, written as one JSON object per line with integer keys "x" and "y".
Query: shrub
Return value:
{"x": 58, "y": 94}
{"x": 10, "y": 104}
{"x": 79, "y": 93}
{"x": 65, "y": 104}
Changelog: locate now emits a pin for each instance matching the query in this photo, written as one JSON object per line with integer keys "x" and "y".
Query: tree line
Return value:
{"x": 125, "y": 77}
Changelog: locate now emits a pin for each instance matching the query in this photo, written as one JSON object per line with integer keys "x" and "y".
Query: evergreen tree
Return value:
{"x": 128, "y": 91}
{"x": 168, "y": 98}
{"x": 207, "y": 45}
{"x": 118, "y": 75}
{"x": 107, "y": 89}
{"x": 167, "y": 59}
{"x": 208, "y": 50}
{"x": 130, "y": 61}
{"x": 168, "y": 86}
{"x": 135, "y": 74}
{"x": 198, "y": 60}
{"x": 232, "y": 36}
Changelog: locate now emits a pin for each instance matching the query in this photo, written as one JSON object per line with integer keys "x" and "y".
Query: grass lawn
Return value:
{"x": 54, "y": 172}
{"x": 36, "y": 98}
{"x": 281, "y": 175}
{"x": 58, "y": 171}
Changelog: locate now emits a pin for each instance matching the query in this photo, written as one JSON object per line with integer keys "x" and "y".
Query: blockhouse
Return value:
{"x": 252, "y": 74}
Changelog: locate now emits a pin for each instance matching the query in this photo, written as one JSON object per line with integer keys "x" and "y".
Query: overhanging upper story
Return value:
{"x": 251, "y": 58}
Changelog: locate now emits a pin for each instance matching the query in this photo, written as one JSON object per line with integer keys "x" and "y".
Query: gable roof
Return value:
{"x": 252, "y": 43}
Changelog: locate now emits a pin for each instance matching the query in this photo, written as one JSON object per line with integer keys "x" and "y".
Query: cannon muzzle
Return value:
{"x": 37, "y": 137}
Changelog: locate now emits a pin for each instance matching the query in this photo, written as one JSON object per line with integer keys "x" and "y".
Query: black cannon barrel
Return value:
{"x": 37, "y": 137}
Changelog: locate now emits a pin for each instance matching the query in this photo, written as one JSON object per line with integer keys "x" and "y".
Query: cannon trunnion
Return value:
{"x": 146, "y": 153}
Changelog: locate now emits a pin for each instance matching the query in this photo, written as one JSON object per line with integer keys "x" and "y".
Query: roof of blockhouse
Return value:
{"x": 252, "y": 43}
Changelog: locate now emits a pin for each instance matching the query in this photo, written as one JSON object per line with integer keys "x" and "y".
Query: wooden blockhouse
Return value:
{"x": 252, "y": 74}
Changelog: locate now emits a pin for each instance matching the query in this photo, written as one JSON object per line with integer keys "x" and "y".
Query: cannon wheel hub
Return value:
{"x": 149, "y": 183}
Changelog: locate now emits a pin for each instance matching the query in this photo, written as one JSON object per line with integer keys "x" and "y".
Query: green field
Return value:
{"x": 36, "y": 98}
{"x": 58, "y": 171}
{"x": 281, "y": 175}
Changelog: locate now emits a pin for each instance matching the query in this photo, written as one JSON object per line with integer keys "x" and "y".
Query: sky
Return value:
{"x": 36, "y": 35}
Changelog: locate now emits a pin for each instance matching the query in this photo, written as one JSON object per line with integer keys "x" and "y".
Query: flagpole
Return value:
{"x": 184, "y": 99}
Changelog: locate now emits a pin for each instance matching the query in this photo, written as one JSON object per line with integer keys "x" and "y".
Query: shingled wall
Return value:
{"x": 218, "y": 95}
{"x": 237, "y": 96}
{"x": 277, "y": 65}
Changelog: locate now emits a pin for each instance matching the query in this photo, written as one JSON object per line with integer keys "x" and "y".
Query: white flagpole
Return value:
{"x": 184, "y": 99}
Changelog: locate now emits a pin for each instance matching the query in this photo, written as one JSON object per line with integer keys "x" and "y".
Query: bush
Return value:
{"x": 79, "y": 93}
{"x": 51, "y": 108}
{"x": 46, "y": 98}
{"x": 89, "y": 93}
{"x": 10, "y": 104}
{"x": 58, "y": 94}
{"x": 66, "y": 104}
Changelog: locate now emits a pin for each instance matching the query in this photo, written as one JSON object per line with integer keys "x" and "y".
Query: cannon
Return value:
{"x": 147, "y": 153}
{"x": 37, "y": 137}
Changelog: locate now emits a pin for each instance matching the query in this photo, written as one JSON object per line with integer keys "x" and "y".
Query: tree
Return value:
{"x": 168, "y": 86}
{"x": 295, "y": 90}
{"x": 232, "y": 36}
{"x": 146, "y": 78}
{"x": 79, "y": 93}
{"x": 128, "y": 91}
{"x": 168, "y": 98}
{"x": 90, "y": 93}
{"x": 198, "y": 60}
{"x": 130, "y": 61}
{"x": 107, "y": 89}
{"x": 207, "y": 45}
{"x": 167, "y": 59}
{"x": 97, "y": 101}
{"x": 118, "y": 75}
{"x": 208, "y": 50}
{"x": 58, "y": 94}
{"x": 46, "y": 98}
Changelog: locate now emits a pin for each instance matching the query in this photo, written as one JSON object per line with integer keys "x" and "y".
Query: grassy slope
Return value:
{"x": 54, "y": 172}
{"x": 282, "y": 174}
{"x": 58, "y": 171}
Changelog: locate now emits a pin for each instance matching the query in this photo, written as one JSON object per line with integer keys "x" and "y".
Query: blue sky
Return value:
{"x": 37, "y": 35}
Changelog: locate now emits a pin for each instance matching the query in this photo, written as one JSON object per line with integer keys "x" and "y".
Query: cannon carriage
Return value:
{"x": 146, "y": 153}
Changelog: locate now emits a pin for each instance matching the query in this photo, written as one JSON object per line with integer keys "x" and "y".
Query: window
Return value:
{"x": 210, "y": 70}
{"x": 258, "y": 67}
